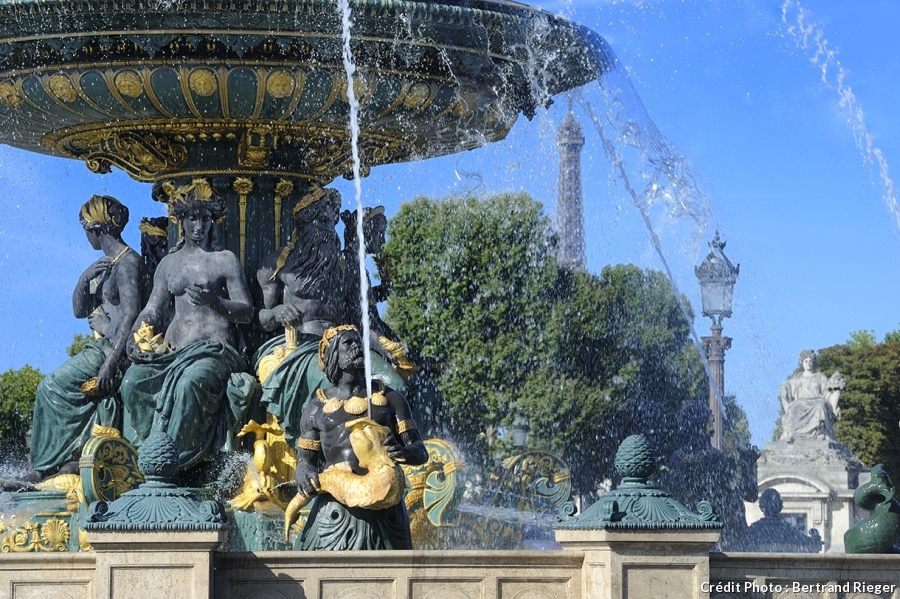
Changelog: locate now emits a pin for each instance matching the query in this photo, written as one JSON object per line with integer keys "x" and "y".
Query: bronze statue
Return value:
{"x": 190, "y": 380}
{"x": 84, "y": 390}
{"x": 304, "y": 286}
{"x": 349, "y": 452}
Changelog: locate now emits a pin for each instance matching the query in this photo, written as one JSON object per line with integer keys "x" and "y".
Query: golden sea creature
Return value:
{"x": 379, "y": 488}
{"x": 148, "y": 342}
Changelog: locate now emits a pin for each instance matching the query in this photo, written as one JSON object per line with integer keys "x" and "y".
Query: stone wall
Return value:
{"x": 804, "y": 576}
{"x": 569, "y": 574}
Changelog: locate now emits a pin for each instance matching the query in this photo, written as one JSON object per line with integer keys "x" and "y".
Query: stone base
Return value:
{"x": 816, "y": 479}
{"x": 666, "y": 564}
{"x": 154, "y": 565}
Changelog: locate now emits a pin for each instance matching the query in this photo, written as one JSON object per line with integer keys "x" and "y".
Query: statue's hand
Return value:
{"x": 307, "y": 481}
{"x": 201, "y": 295}
{"x": 106, "y": 378}
{"x": 99, "y": 321}
{"x": 395, "y": 449}
{"x": 99, "y": 267}
{"x": 289, "y": 313}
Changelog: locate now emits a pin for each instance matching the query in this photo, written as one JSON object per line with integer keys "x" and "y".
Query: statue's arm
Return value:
{"x": 237, "y": 307}
{"x": 309, "y": 451}
{"x": 127, "y": 275}
{"x": 154, "y": 311}
{"x": 273, "y": 313}
{"x": 405, "y": 444}
{"x": 83, "y": 301}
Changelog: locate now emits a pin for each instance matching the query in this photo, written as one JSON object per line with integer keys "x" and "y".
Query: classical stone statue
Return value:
{"x": 349, "y": 455}
{"x": 304, "y": 289}
{"x": 190, "y": 381}
{"x": 810, "y": 402}
{"x": 84, "y": 390}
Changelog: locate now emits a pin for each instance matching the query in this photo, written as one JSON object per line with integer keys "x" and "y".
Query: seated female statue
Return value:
{"x": 192, "y": 384}
{"x": 84, "y": 390}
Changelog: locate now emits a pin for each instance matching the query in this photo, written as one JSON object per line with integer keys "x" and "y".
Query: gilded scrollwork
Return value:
{"x": 49, "y": 536}
{"x": 140, "y": 154}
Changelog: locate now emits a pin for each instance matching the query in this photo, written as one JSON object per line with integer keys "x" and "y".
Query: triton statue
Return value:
{"x": 350, "y": 451}
{"x": 190, "y": 382}
{"x": 84, "y": 390}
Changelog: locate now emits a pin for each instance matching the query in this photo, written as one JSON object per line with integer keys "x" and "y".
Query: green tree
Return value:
{"x": 588, "y": 360}
{"x": 861, "y": 338}
{"x": 78, "y": 343}
{"x": 870, "y": 405}
{"x": 470, "y": 280}
{"x": 17, "y": 390}
{"x": 892, "y": 337}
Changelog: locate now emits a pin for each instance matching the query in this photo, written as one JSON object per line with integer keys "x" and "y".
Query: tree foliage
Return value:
{"x": 17, "y": 390}
{"x": 870, "y": 405}
{"x": 587, "y": 360}
{"x": 861, "y": 338}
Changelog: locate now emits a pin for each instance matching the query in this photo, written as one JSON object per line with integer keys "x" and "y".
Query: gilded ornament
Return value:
{"x": 9, "y": 95}
{"x": 417, "y": 95}
{"x": 62, "y": 88}
{"x": 202, "y": 82}
{"x": 129, "y": 84}
{"x": 242, "y": 186}
{"x": 51, "y": 536}
{"x": 280, "y": 84}
{"x": 363, "y": 88}
{"x": 273, "y": 465}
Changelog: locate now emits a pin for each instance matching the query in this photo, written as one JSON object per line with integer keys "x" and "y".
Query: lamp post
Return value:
{"x": 519, "y": 430}
{"x": 717, "y": 276}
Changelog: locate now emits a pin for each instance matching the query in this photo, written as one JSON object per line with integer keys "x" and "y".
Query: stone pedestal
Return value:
{"x": 816, "y": 479}
{"x": 634, "y": 564}
{"x": 154, "y": 565}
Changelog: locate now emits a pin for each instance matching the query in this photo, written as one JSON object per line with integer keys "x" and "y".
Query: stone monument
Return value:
{"x": 815, "y": 474}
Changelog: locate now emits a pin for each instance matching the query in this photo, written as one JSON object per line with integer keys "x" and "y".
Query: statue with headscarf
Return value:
{"x": 84, "y": 391}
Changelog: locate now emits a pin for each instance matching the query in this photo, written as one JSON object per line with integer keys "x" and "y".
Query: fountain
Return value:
{"x": 251, "y": 95}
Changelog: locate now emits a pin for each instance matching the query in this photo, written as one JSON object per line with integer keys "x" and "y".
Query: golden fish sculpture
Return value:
{"x": 379, "y": 488}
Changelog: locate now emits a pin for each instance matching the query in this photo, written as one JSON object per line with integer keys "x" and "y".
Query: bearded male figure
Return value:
{"x": 349, "y": 452}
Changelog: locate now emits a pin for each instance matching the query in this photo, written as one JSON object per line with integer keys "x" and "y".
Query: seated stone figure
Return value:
{"x": 810, "y": 402}
{"x": 192, "y": 383}
{"x": 349, "y": 453}
{"x": 84, "y": 390}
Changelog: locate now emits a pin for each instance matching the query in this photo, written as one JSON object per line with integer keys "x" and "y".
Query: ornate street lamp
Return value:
{"x": 519, "y": 431}
{"x": 717, "y": 276}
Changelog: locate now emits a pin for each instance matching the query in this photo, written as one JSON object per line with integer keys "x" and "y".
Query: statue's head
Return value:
{"x": 154, "y": 238}
{"x": 332, "y": 350}
{"x": 103, "y": 215}
{"x": 319, "y": 205}
{"x": 810, "y": 355}
{"x": 198, "y": 195}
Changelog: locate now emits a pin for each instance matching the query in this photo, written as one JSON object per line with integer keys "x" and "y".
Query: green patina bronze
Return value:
{"x": 157, "y": 505}
{"x": 637, "y": 504}
{"x": 879, "y": 532}
{"x": 249, "y": 93}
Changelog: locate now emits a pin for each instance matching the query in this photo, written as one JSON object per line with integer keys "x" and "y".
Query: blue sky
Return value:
{"x": 787, "y": 170}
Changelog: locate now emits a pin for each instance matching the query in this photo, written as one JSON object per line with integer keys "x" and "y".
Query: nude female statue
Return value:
{"x": 194, "y": 387}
